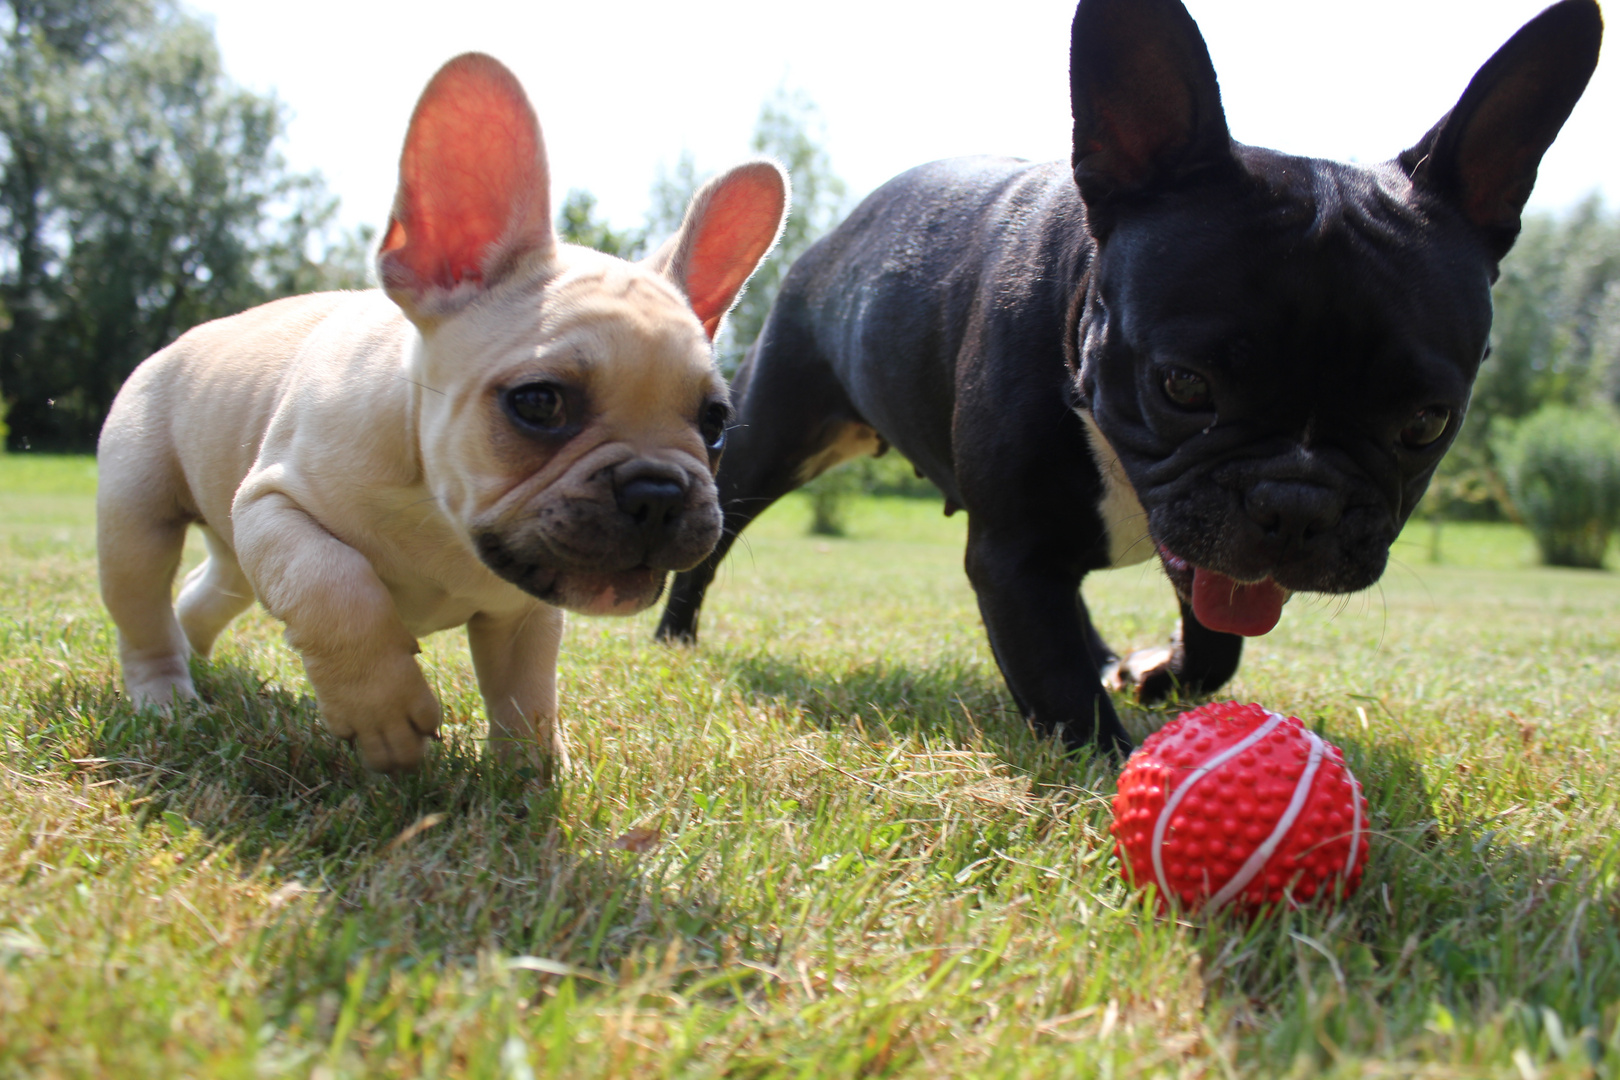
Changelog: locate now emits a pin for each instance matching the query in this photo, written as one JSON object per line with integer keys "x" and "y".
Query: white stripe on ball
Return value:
{"x": 1262, "y": 854}
{"x": 1186, "y": 786}
{"x": 1355, "y": 826}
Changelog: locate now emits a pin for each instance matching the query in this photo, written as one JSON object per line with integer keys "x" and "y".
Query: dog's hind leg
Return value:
{"x": 213, "y": 594}
{"x": 793, "y": 421}
{"x": 140, "y": 533}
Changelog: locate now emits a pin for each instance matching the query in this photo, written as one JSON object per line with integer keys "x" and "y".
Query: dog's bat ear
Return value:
{"x": 474, "y": 198}
{"x": 1147, "y": 108}
{"x": 1482, "y": 156}
{"x": 731, "y": 224}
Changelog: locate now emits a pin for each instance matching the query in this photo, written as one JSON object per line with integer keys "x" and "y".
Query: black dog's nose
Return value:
{"x": 654, "y": 502}
{"x": 1293, "y": 512}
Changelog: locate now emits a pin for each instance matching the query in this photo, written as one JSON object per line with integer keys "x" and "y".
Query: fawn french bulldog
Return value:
{"x": 512, "y": 427}
{"x": 1243, "y": 362}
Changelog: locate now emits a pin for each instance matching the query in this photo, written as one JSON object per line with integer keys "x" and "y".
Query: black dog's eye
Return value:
{"x": 712, "y": 426}
{"x": 1186, "y": 388}
{"x": 1424, "y": 428}
{"x": 538, "y": 405}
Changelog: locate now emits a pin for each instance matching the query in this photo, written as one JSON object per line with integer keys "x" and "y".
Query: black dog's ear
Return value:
{"x": 1483, "y": 154}
{"x": 1147, "y": 109}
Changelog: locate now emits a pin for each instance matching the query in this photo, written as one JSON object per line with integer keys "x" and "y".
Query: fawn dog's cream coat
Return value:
{"x": 518, "y": 426}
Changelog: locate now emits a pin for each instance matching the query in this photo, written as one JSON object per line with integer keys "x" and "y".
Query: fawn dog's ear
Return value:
{"x": 730, "y": 225}
{"x": 1482, "y": 156}
{"x": 474, "y": 198}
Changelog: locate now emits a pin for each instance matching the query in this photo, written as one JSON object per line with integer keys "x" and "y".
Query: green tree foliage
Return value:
{"x": 577, "y": 223}
{"x": 1555, "y": 340}
{"x": 789, "y": 129}
{"x": 1562, "y": 467}
{"x": 1556, "y": 302}
{"x": 141, "y": 192}
{"x": 671, "y": 190}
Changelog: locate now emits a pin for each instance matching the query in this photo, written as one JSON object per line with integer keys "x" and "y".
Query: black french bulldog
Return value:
{"x": 1243, "y": 362}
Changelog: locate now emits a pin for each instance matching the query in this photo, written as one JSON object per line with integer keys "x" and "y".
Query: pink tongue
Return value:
{"x": 1234, "y": 608}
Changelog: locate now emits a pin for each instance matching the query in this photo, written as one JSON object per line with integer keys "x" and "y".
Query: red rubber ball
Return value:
{"x": 1235, "y": 804}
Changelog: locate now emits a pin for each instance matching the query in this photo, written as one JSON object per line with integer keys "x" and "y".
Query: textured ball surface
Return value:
{"x": 1234, "y": 804}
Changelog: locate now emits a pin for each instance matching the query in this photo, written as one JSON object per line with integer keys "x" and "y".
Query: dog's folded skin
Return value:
{"x": 514, "y": 427}
{"x": 1244, "y": 362}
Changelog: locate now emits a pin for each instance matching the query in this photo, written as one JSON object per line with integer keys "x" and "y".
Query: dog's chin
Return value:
{"x": 618, "y": 592}
{"x": 1219, "y": 602}
{"x": 588, "y": 591}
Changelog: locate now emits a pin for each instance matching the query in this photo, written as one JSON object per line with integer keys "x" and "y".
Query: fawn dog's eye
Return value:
{"x": 536, "y": 405}
{"x": 712, "y": 424}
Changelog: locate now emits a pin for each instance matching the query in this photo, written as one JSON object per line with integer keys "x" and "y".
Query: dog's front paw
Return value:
{"x": 398, "y": 748}
{"x": 158, "y": 684}
{"x": 1146, "y": 674}
{"x": 388, "y": 712}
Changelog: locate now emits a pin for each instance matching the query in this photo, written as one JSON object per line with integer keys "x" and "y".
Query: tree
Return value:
{"x": 140, "y": 193}
{"x": 671, "y": 191}
{"x": 788, "y": 129}
{"x": 1555, "y": 340}
{"x": 577, "y": 223}
{"x": 1550, "y": 308}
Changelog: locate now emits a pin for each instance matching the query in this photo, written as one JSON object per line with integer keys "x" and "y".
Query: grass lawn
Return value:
{"x": 818, "y": 845}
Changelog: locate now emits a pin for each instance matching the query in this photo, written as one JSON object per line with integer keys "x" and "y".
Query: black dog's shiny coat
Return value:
{"x": 967, "y": 309}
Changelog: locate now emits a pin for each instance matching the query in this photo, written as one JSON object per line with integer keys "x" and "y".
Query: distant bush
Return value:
{"x": 892, "y": 474}
{"x": 1562, "y": 468}
{"x": 1555, "y": 340}
{"x": 830, "y": 492}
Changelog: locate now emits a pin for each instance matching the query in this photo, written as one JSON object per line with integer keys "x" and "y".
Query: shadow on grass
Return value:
{"x": 1472, "y": 916}
{"x": 956, "y": 703}
{"x": 1449, "y": 916}
{"x": 952, "y": 701}
{"x": 467, "y": 854}
{"x": 1453, "y": 912}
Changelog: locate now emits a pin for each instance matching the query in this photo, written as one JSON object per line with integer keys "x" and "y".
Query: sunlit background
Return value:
{"x": 626, "y": 87}
{"x": 167, "y": 162}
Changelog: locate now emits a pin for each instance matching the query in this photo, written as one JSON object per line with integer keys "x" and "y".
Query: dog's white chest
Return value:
{"x": 427, "y": 606}
{"x": 1128, "y": 539}
{"x": 434, "y": 578}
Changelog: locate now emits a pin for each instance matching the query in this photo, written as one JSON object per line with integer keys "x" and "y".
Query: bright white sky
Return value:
{"x": 621, "y": 88}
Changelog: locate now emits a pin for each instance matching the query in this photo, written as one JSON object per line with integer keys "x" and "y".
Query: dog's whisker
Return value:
{"x": 420, "y": 384}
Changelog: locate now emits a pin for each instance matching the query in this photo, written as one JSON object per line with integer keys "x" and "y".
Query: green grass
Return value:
{"x": 853, "y": 861}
